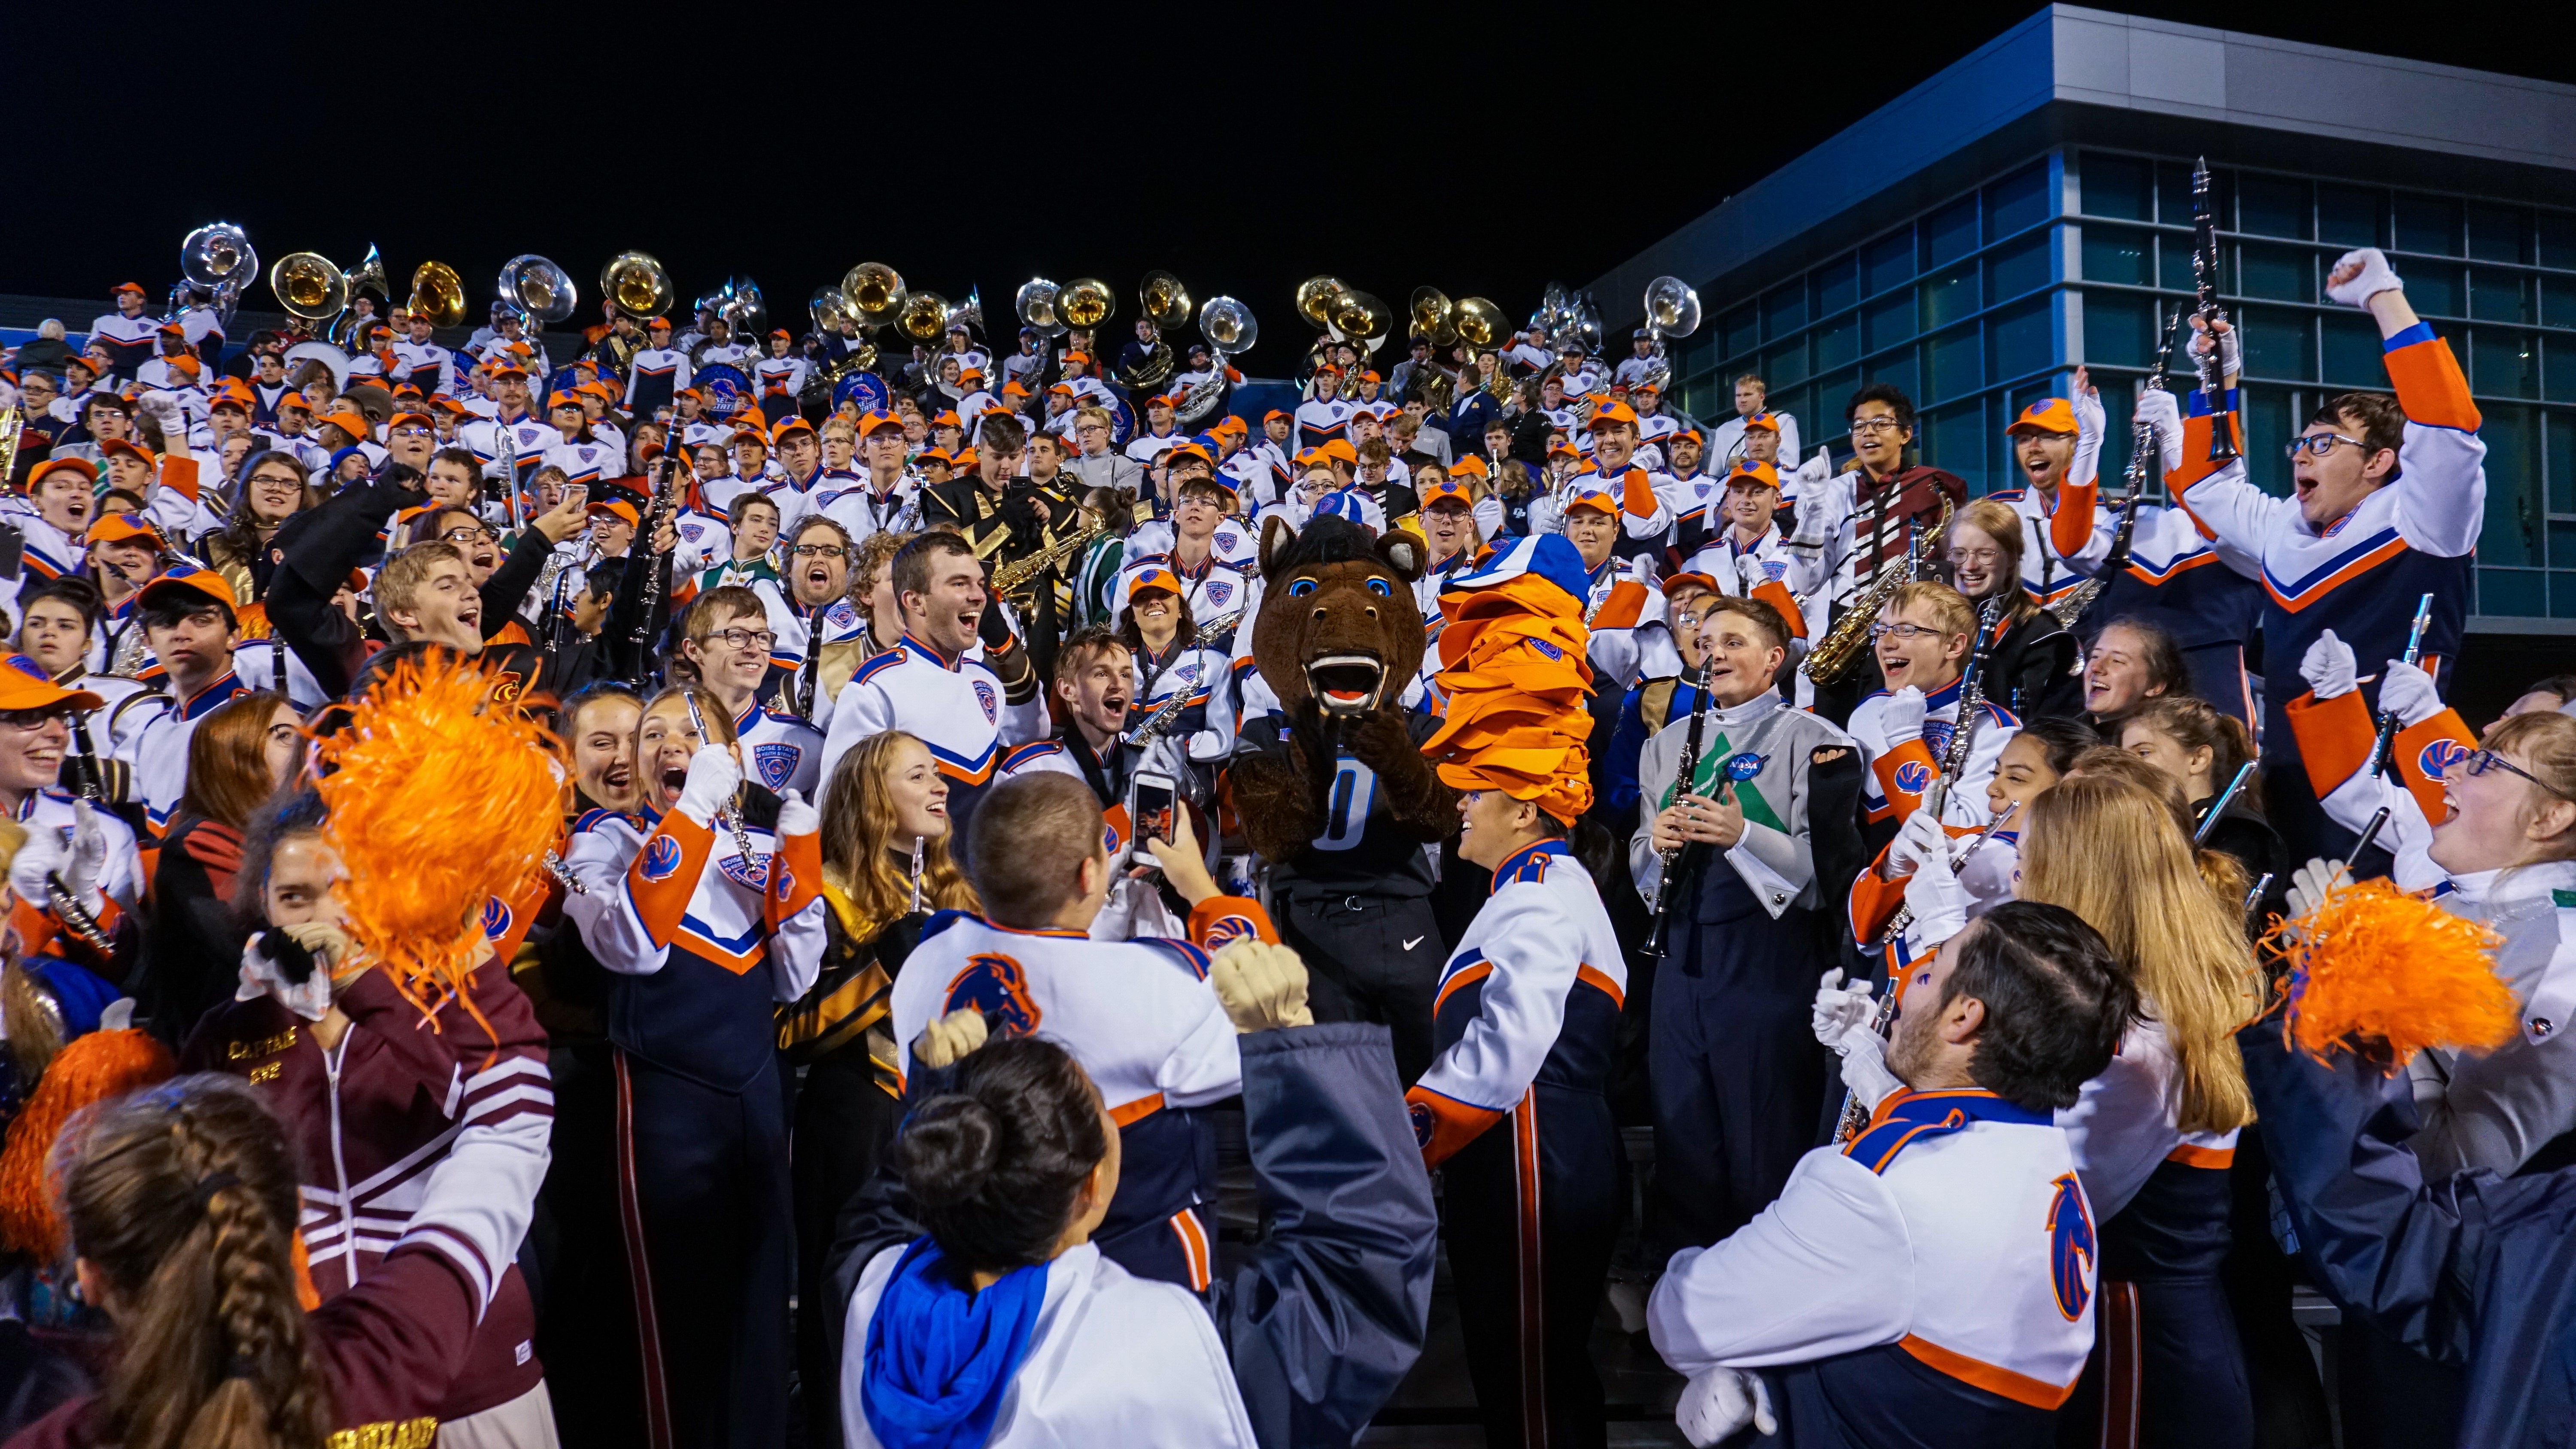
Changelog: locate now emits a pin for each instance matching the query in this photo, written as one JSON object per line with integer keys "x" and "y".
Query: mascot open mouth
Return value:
{"x": 1345, "y": 683}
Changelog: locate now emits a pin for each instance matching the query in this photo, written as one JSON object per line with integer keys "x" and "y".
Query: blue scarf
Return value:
{"x": 939, "y": 1358}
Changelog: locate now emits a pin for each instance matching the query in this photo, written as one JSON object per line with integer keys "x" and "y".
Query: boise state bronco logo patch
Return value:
{"x": 1423, "y": 1122}
{"x": 2438, "y": 757}
{"x": 1224, "y": 931}
{"x": 995, "y": 985}
{"x": 496, "y": 919}
{"x": 1913, "y": 777}
{"x": 2071, "y": 1253}
{"x": 661, "y": 858}
{"x": 749, "y": 872}
{"x": 1775, "y": 572}
{"x": 776, "y": 764}
{"x": 992, "y": 706}
{"x": 1544, "y": 647}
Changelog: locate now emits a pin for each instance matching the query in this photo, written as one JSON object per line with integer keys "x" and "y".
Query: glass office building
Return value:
{"x": 2052, "y": 228}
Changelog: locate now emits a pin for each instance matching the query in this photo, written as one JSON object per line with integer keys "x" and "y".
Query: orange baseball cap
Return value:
{"x": 1589, "y": 494}
{"x": 1341, "y": 449}
{"x": 616, "y": 508}
{"x": 947, "y": 419}
{"x": 1701, "y": 580}
{"x": 185, "y": 575}
{"x": 123, "y": 528}
{"x": 1469, "y": 463}
{"x": 82, "y": 466}
{"x": 25, "y": 684}
{"x": 872, "y": 422}
{"x": 2048, "y": 415}
{"x": 1082, "y": 357}
{"x": 794, "y": 423}
{"x": 129, "y": 448}
{"x": 1155, "y": 578}
{"x": 1613, "y": 412}
{"x": 1765, "y": 422}
{"x": 1447, "y": 490}
{"x": 1178, "y": 451}
{"x": 424, "y": 419}
{"x": 135, "y": 287}
{"x": 1761, "y": 475}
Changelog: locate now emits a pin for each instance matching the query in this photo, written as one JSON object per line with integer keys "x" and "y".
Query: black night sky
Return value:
{"x": 1483, "y": 150}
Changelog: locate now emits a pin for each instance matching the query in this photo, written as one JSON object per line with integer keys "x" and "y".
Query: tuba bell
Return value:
{"x": 1036, "y": 304}
{"x": 1672, "y": 310}
{"x": 216, "y": 259}
{"x": 1166, "y": 305}
{"x": 1085, "y": 302}
{"x": 538, "y": 291}
{"x": 1364, "y": 319}
{"x": 875, "y": 291}
{"x": 637, "y": 284}
{"x": 1229, "y": 328}
{"x": 745, "y": 311}
{"x": 310, "y": 287}
{"x": 1433, "y": 316}
{"x": 1318, "y": 298}
{"x": 437, "y": 293}
{"x": 924, "y": 317}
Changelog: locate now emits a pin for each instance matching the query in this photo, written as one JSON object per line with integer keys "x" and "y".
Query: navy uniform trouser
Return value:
{"x": 2166, "y": 1371}
{"x": 1738, "y": 1077}
{"x": 1532, "y": 1207}
{"x": 703, "y": 1205}
{"x": 1375, "y": 959}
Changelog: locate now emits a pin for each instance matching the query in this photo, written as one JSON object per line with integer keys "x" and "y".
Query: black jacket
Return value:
{"x": 1327, "y": 1313}
{"x": 2032, "y": 671}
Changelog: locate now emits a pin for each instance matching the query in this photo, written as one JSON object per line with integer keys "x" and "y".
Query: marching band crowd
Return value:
{"x": 984, "y": 796}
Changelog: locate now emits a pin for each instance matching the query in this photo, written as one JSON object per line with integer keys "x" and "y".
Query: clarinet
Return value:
{"x": 642, "y": 634}
{"x": 1667, "y": 889}
{"x": 93, "y": 778}
{"x": 2204, "y": 271}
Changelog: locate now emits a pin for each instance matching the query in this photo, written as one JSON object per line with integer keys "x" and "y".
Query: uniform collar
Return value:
{"x": 1519, "y": 861}
{"x": 915, "y": 642}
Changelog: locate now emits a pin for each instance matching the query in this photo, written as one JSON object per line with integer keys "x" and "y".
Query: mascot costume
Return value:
{"x": 1333, "y": 791}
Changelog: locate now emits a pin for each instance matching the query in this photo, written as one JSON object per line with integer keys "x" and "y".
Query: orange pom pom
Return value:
{"x": 2373, "y": 962}
{"x": 90, "y": 1070}
{"x": 442, "y": 794}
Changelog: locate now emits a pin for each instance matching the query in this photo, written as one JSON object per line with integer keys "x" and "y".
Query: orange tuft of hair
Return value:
{"x": 442, "y": 794}
{"x": 2373, "y": 963}
{"x": 91, "y": 1069}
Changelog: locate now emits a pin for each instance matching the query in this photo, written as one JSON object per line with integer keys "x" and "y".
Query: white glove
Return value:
{"x": 1864, "y": 1068}
{"x": 1940, "y": 903}
{"x": 261, "y": 977}
{"x": 795, "y": 817}
{"x": 1919, "y": 838}
{"x": 2374, "y": 277}
{"x": 2310, "y": 884}
{"x": 714, "y": 774}
{"x": 2089, "y": 417}
{"x": 45, "y": 853}
{"x": 2231, "y": 346}
{"x": 2408, "y": 690}
{"x": 1818, "y": 468}
{"x": 2164, "y": 412}
{"x": 1841, "y": 1010}
{"x": 88, "y": 865}
{"x": 1720, "y": 1402}
{"x": 1901, "y": 719}
{"x": 2328, "y": 667}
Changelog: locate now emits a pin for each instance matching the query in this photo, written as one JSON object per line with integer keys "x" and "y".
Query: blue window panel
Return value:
{"x": 2558, "y": 373}
{"x": 2560, "y": 449}
{"x": 2352, "y": 216}
{"x": 2018, "y": 202}
{"x": 2272, "y": 205}
{"x": 2562, "y": 596}
{"x": 2558, "y": 240}
{"x": 2269, "y": 426}
{"x": 2504, "y": 362}
{"x": 2117, "y": 254}
{"x": 2280, "y": 344}
{"x": 2020, "y": 341}
{"x": 1955, "y": 438}
{"x": 2122, "y": 187}
{"x": 1837, "y": 343}
{"x": 2512, "y": 532}
{"x": 1786, "y": 364}
{"x": 1784, "y": 310}
{"x": 2429, "y": 224}
{"x": 1832, "y": 393}
{"x": 2499, "y": 233}
{"x": 1740, "y": 330}
{"x": 1896, "y": 369}
{"x": 2436, "y": 290}
{"x": 1886, "y": 262}
{"x": 1888, "y": 321}
{"x": 1949, "y": 297}
{"x": 2119, "y": 329}
{"x": 2173, "y": 265}
{"x": 1950, "y": 233}
{"x": 2512, "y": 591}
{"x": 2352, "y": 351}
{"x": 2562, "y": 550}
{"x": 2558, "y": 302}
{"x": 1953, "y": 365}
{"x": 2019, "y": 267}
{"x": 2283, "y": 274}
{"x": 2496, "y": 296}
{"x": 1837, "y": 285}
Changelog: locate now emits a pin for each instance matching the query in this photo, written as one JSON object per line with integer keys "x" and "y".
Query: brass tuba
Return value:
{"x": 1229, "y": 328}
{"x": 637, "y": 285}
{"x": 437, "y": 293}
{"x": 219, "y": 260}
{"x": 875, "y": 291}
{"x": 1036, "y": 304}
{"x": 1318, "y": 298}
{"x": 1085, "y": 302}
{"x": 1434, "y": 316}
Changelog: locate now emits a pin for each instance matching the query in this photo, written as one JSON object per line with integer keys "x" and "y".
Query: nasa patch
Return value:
{"x": 2438, "y": 757}
{"x": 1743, "y": 767}
{"x": 661, "y": 858}
{"x": 776, "y": 764}
{"x": 749, "y": 872}
{"x": 1913, "y": 777}
{"x": 985, "y": 697}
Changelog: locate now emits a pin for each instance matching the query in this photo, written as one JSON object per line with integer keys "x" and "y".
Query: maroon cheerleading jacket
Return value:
{"x": 371, "y": 1125}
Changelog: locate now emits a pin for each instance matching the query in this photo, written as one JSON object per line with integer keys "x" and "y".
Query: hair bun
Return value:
{"x": 949, "y": 1151}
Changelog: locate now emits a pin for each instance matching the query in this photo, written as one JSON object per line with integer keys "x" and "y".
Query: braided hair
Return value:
{"x": 183, "y": 1199}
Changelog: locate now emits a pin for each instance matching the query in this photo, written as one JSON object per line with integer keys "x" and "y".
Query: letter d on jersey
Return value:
{"x": 2071, "y": 1248}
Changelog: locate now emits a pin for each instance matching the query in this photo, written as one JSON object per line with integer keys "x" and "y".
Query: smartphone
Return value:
{"x": 1151, "y": 801}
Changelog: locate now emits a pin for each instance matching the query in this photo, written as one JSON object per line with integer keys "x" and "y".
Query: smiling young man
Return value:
{"x": 2390, "y": 494}
{"x": 188, "y": 618}
{"x": 726, "y": 635}
{"x": 55, "y": 514}
{"x": 1888, "y": 501}
{"x": 1921, "y": 643}
{"x": 886, "y": 498}
{"x": 819, "y": 628}
{"x": 1738, "y": 1080}
{"x": 928, "y": 685}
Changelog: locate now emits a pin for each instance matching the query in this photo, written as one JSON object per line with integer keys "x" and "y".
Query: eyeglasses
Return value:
{"x": 1875, "y": 425}
{"x": 468, "y": 535}
{"x": 1903, "y": 631}
{"x": 759, "y": 639}
{"x": 278, "y": 480}
{"x": 411, "y": 431}
{"x": 2481, "y": 761}
{"x": 32, "y": 719}
{"x": 819, "y": 550}
{"x": 2319, "y": 444}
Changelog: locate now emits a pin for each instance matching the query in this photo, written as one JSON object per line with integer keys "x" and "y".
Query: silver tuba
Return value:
{"x": 1672, "y": 310}
{"x": 1229, "y": 328}
{"x": 218, "y": 260}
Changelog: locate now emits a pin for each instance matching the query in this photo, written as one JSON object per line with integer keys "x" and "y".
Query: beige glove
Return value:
{"x": 1262, "y": 986}
{"x": 948, "y": 1038}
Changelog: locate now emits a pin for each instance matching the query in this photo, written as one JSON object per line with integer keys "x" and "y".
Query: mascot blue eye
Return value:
{"x": 1301, "y": 588}
{"x": 1379, "y": 587}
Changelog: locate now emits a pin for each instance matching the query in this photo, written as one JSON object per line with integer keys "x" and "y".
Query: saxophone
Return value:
{"x": 1021, "y": 575}
{"x": 1836, "y": 653}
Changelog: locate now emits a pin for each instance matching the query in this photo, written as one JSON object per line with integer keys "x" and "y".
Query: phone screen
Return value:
{"x": 1152, "y": 814}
